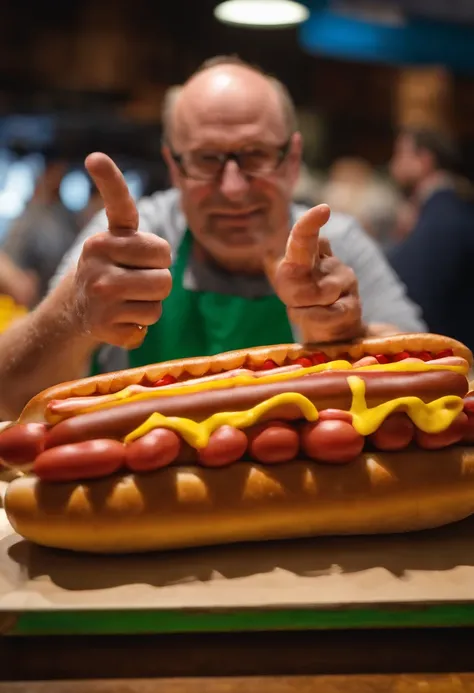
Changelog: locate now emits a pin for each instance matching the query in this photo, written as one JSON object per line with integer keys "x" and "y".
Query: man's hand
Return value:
{"x": 321, "y": 294}
{"x": 123, "y": 275}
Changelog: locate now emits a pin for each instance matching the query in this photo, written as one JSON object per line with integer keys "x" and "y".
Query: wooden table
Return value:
{"x": 372, "y": 614}
{"x": 457, "y": 683}
{"x": 273, "y": 654}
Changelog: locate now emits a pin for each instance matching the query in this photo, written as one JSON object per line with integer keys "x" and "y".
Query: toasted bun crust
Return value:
{"x": 253, "y": 357}
{"x": 181, "y": 507}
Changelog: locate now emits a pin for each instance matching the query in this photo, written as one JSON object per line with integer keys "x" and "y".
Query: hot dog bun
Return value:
{"x": 252, "y": 358}
{"x": 272, "y": 443}
{"x": 180, "y": 507}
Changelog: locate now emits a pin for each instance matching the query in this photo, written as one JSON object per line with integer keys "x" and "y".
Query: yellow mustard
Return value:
{"x": 187, "y": 388}
{"x": 197, "y": 434}
{"x": 432, "y": 417}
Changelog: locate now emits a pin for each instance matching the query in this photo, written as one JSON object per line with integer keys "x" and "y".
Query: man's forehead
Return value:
{"x": 224, "y": 102}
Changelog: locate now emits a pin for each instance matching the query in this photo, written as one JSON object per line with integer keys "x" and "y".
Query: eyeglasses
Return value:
{"x": 206, "y": 165}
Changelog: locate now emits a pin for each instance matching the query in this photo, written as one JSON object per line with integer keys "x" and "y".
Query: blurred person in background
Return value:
{"x": 38, "y": 239}
{"x": 236, "y": 263}
{"x": 435, "y": 260}
{"x": 405, "y": 221}
{"x": 353, "y": 187}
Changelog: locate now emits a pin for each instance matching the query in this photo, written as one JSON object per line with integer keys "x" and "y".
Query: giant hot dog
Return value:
{"x": 266, "y": 443}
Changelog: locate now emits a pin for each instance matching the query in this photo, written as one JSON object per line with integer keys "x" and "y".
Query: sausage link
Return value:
{"x": 335, "y": 415}
{"x": 22, "y": 443}
{"x": 226, "y": 445}
{"x": 365, "y": 361}
{"x": 326, "y": 390}
{"x": 282, "y": 412}
{"x": 273, "y": 442}
{"x": 469, "y": 403}
{"x": 158, "y": 448}
{"x": 449, "y": 361}
{"x": 331, "y": 441}
{"x": 395, "y": 433}
{"x": 90, "y": 459}
{"x": 454, "y": 434}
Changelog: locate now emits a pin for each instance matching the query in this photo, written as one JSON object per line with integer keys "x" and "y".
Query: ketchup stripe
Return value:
{"x": 311, "y": 359}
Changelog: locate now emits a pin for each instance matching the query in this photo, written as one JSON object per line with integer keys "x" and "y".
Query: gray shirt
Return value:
{"x": 383, "y": 296}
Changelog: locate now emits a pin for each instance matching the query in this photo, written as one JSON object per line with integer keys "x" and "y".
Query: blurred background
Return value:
{"x": 89, "y": 75}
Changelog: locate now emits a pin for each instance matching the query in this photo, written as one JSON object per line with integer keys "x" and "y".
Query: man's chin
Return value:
{"x": 242, "y": 256}
{"x": 239, "y": 239}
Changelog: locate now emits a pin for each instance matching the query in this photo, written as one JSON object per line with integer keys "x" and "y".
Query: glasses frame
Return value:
{"x": 225, "y": 157}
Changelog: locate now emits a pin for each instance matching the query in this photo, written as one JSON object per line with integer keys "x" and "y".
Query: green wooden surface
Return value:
{"x": 142, "y": 622}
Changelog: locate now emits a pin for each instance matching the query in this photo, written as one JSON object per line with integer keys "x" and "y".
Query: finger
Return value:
{"x": 143, "y": 250}
{"x": 325, "y": 249}
{"x": 119, "y": 206}
{"x": 335, "y": 280}
{"x": 117, "y": 285}
{"x": 321, "y": 287}
{"x": 138, "y": 313}
{"x": 337, "y": 322}
{"x": 127, "y": 336}
{"x": 302, "y": 248}
{"x": 141, "y": 284}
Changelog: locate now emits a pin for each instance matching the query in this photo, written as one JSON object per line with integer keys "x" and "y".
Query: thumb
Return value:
{"x": 302, "y": 248}
{"x": 120, "y": 208}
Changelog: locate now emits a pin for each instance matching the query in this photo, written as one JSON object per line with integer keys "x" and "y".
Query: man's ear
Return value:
{"x": 172, "y": 166}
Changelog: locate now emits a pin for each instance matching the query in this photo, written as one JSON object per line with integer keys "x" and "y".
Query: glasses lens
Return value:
{"x": 208, "y": 165}
{"x": 259, "y": 161}
{"x": 203, "y": 165}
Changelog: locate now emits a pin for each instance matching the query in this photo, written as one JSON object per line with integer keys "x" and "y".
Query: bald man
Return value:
{"x": 216, "y": 249}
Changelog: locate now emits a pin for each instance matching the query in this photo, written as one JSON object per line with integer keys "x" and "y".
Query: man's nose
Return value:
{"x": 234, "y": 185}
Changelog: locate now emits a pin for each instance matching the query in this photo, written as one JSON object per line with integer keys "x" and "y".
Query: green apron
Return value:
{"x": 203, "y": 323}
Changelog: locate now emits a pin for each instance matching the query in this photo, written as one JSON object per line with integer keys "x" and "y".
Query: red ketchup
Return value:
{"x": 268, "y": 365}
{"x": 401, "y": 356}
{"x": 165, "y": 380}
{"x": 444, "y": 353}
{"x": 318, "y": 357}
{"x": 304, "y": 361}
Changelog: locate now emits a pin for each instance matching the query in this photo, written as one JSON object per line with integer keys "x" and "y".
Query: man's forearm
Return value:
{"x": 41, "y": 350}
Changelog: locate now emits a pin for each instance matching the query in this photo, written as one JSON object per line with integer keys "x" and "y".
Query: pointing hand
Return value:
{"x": 320, "y": 292}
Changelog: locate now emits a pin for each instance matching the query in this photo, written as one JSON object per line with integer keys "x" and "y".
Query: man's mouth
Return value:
{"x": 236, "y": 218}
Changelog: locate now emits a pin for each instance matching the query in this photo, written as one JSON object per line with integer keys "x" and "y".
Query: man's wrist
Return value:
{"x": 60, "y": 308}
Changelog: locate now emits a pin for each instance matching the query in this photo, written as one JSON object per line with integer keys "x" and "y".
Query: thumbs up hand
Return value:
{"x": 320, "y": 292}
{"x": 123, "y": 275}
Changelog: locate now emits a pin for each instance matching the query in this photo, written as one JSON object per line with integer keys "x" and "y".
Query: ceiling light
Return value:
{"x": 262, "y": 13}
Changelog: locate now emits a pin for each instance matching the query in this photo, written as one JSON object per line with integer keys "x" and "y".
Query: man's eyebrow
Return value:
{"x": 216, "y": 145}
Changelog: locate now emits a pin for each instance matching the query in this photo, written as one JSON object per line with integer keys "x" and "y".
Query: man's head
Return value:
{"x": 236, "y": 206}
{"x": 418, "y": 154}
